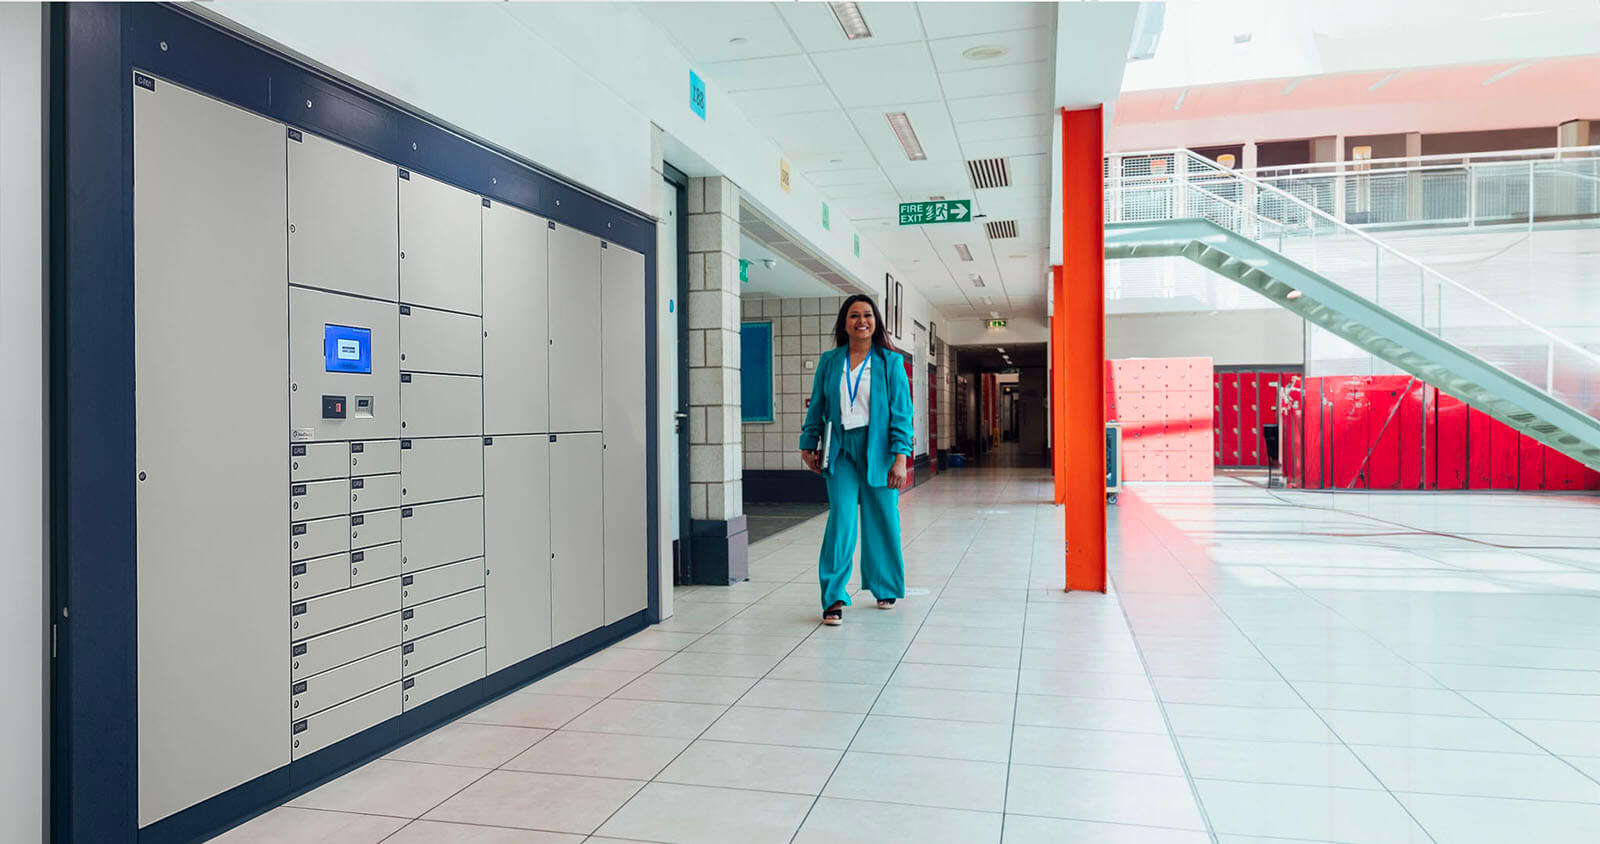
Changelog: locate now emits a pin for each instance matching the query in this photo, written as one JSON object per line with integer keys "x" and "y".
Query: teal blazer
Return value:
{"x": 889, "y": 430}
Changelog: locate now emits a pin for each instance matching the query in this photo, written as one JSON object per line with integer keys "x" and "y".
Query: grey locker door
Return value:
{"x": 516, "y": 340}
{"x": 213, "y": 569}
{"x": 516, "y": 516}
{"x": 577, "y": 562}
{"x": 342, "y": 210}
{"x": 626, "y": 492}
{"x": 441, "y": 246}
{"x": 575, "y": 330}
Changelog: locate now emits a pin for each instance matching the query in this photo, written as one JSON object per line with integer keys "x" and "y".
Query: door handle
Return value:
{"x": 680, "y": 415}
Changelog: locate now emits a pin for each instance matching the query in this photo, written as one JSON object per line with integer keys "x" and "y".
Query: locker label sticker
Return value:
{"x": 405, "y": 310}
{"x": 297, "y": 451}
{"x": 299, "y": 727}
{"x": 410, "y": 647}
{"x": 297, "y": 489}
{"x": 298, "y": 530}
{"x": 406, "y": 513}
{"x": 410, "y": 681}
{"x": 299, "y": 688}
{"x": 358, "y": 483}
{"x": 405, "y": 174}
{"x": 406, "y": 616}
{"x": 299, "y": 650}
{"x": 358, "y": 521}
{"x": 406, "y": 581}
{"x": 358, "y": 556}
{"x": 298, "y": 609}
{"x": 299, "y": 568}
{"x": 405, "y": 445}
{"x": 358, "y": 448}
{"x": 405, "y": 378}
{"x": 144, "y": 82}
{"x": 294, "y": 135}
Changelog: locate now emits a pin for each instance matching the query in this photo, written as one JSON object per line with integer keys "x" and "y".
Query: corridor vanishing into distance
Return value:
{"x": 1270, "y": 666}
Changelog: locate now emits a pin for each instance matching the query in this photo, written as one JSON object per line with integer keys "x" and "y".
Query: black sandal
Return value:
{"x": 885, "y": 603}
{"x": 834, "y": 616}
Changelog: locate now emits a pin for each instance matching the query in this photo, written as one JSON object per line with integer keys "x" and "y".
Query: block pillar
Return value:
{"x": 1058, "y": 381}
{"x": 1080, "y": 317}
{"x": 716, "y": 450}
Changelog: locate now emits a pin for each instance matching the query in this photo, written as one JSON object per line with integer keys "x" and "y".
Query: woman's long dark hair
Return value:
{"x": 880, "y": 335}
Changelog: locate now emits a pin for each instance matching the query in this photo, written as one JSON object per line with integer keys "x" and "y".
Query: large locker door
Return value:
{"x": 1250, "y": 420}
{"x": 575, "y": 330}
{"x": 1385, "y": 398}
{"x": 441, "y": 245}
{"x": 342, "y": 211}
{"x": 1230, "y": 420}
{"x": 1480, "y": 469}
{"x": 626, "y": 493}
{"x": 516, "y": 508}
{"x": 1450, "y": 450}
{"x": 1347, "y": 431}
{"x": 516, "y": 327}
{"x": 212, "y": 509}
{"x": 577, "y": 559}
{"x": 1413, "y": 423}
{"x": 1216, "y": 418}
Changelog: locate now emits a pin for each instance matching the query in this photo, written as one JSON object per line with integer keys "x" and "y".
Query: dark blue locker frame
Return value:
{"x": 94, "y": 52}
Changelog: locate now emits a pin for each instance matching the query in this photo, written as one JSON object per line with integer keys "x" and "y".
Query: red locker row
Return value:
{"x": 1165, "y": 407}
{"x": 1244, "y": 402}
{"x": 1395, "y": 432}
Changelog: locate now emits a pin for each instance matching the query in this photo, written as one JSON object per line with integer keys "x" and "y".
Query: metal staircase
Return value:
{"x": 1391, "y": 307}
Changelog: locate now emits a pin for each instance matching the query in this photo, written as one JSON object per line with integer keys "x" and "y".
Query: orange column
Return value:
{"x": 1058, "y": 383}
{"x": 1080, "y": 321}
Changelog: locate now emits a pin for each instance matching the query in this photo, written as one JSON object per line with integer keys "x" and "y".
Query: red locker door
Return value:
{"x": 1480, "y": 450}
{"x": 1314, "y": 405}
{"x": 1348, "y": 432}
{"x": 1385, "y": 394}
{"x": 1230, "y": 419}
{"x": 1531, "y": 463}
{"x": 1267, "y": 400}
{"x": 1505, "y": 457}
{"x": 1412, "y": 420}
{"x": 1216, "y": 418}
{"x": 1561, "y": 471}
{"x": 1249, "y": 421}
{"x": 1449, "y": 453}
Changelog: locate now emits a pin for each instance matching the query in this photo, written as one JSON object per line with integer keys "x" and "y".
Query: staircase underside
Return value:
{"x": 1366, "y": 325}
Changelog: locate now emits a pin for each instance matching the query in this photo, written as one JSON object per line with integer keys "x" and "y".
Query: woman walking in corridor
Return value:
{"x": 858, "y": 435}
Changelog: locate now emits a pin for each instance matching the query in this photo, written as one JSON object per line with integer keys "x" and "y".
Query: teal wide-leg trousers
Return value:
{"x": 883, "y": 567}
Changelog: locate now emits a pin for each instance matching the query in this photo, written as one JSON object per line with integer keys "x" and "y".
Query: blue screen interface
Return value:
{"x": 347, "y": 349}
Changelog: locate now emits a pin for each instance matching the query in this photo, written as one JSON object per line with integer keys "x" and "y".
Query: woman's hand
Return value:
{"x": 813, "y": 460}
{"x": 897, "y": 472}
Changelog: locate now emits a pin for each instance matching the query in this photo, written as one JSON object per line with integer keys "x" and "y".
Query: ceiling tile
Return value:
{"x": 1029, "y": 169}
{"x": 945, "y": 20}
{"x": 819, "y": 31}
{"x": 1004, "y": 128}
{"x": 848, "y": 153}
{"x": 991, "y": 107}
{"x": 930, "y": 178}
{"x": 880, "y": 76}
{"x": 1002, "y": 147}
{"x": 866, "y": 206}
{"x": 830, "y": 178}
{"x": 1001, "y": 79}
{"x": 754, "y": 74}
{"x": 807, "y": 134}
{"x": 766, "y": 101}
{"x": 930, "y": 122}
{"x": 1021, "y": 47}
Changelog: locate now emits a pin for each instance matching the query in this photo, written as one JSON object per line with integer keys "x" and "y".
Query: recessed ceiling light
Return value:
{"x": 935, "y": 199}
{"x": 985, "y": 52}
{"x": 977, "y": 280}
{"x": 738, "y": 39}
{"x": 835, "y": 161}
{"x": 987, "y": 300}
{"x": 1000, "y": 349}
{"x": 1019, "y": 255}
{"x": 963, "y": 252}
{"x": 901, "y": 124}
{"x": 1242, "y": 38}
{"x": 850, "y": 20}
{"x": 994, "y": 314}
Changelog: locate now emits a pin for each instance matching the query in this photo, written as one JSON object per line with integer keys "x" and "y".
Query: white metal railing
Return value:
{"x": 1525, "y": 188}
{"x": 1174, "y": 184}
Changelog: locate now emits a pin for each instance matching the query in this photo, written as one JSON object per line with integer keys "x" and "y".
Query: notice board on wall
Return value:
{"x": 755, "y": 371}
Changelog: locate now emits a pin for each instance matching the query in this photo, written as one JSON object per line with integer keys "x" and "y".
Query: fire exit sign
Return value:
{"x": 938, "y": 211}
{"x": 997, "y": 323}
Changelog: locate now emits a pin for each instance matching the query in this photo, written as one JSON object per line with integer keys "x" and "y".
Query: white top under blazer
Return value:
{"x": 858, "y": 413}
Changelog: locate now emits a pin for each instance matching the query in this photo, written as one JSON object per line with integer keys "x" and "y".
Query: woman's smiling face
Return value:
{"x": 859, "y": 321}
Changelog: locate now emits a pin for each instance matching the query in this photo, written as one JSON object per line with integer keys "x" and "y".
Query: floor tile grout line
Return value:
{"x": 1016, "y": 695}
{"x": 1162, "y": 540}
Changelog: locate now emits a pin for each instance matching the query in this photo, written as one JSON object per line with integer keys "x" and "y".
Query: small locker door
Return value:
{"x": 1249, "y": 421}
{"x": 516, "y": 328}
{"x": 1231, "y": 437}
{"x": 516, "y": 508}
{"x": 575, "y": 330}
{"x": 577, "y": 561}
{"x": 622, "y": 301}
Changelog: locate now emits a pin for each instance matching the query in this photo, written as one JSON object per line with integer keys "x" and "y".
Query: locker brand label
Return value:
{"x": 358, "y": 483}
{"x": 405, "y": 310}
{"x": 405, "y": 174}
{"x": 358, "y": 448}
{"x": 409, "y": 648}
{"x": 299, "y": 650}
{"x": 358, "y": 556}
{"x": 405, "y": 445}
{"x": 406, "y": 616}
{"x": 299, "y": 727}
{"x": 297, "y": 489}
{"x": 299, "y": 688}
{"x": 144, "y": 82}
{"x": 297, "y": 451}
{"x": 298, "y": 609}
{"x": 410, "y": 681}
{"x": 294, "y": 135}
{"x": 358, "y": 521}
{"x": 406, "y": 513}
{"x": 299, "y": 568}
{"x": 298, "y": 530}
{"x": 405, "y": 378}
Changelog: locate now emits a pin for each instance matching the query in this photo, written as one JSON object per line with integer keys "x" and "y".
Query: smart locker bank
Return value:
{"x": 388, "y": 449}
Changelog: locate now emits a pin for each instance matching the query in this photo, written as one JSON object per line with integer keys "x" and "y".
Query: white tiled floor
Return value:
{"x": 1270, "y": 667}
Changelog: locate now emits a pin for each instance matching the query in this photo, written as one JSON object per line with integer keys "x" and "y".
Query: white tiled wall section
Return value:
{"x": 802, "y": 330}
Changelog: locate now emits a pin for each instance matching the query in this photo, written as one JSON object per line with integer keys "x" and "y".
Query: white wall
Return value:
{"x": 975, "y": 332}
{"x": 22, "y": 498}
{"x": 573, "y": 87}
{"x": 1230, "y": 338}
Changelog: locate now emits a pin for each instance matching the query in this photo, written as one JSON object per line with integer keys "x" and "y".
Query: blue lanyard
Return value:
{"x": 855, "y": 387}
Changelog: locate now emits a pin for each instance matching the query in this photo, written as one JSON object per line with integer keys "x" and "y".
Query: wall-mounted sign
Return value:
{"x": 697, "y": 95}
{"x": 858, "y": 245}
{"x": 1227, "y": 160}
{"x": 783, "y": 175}
{"x": 940, "y": 211}
{"x": 744, "y": 271}
{"x": 825, "y": 223}
{"x": 997, "y": 323}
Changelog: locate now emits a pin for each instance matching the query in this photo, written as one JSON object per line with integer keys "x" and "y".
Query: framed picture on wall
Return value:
{"x": 899, "y": 307}
{"x": 933, "y": 340}
{"x": 888, "y": 304}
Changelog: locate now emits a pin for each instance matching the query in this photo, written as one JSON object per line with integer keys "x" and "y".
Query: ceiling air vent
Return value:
{"x": 989, "y": 173}
{"x": 1001, "y": 229}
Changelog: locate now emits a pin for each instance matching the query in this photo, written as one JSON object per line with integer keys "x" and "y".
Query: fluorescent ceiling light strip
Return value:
{"x": 1181, "y": 97}
{"x": 901, "y": 124}
{"x": 1289, "y": 89}
{"x": 963, "y": 251}
{"x": 1382, "y": 82}
{"x": 850, "y": 20}
{"x": 1507, "y": 72}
